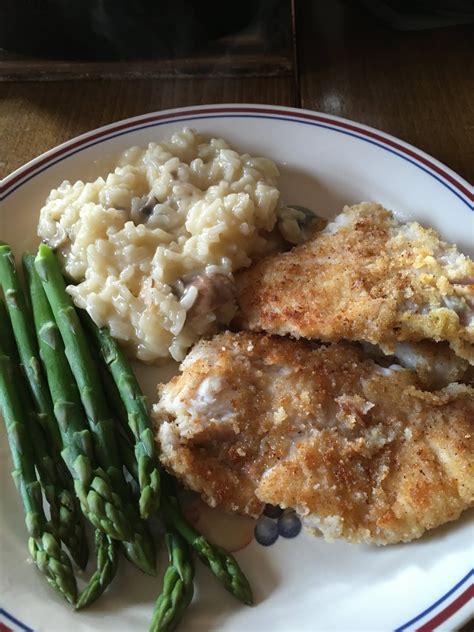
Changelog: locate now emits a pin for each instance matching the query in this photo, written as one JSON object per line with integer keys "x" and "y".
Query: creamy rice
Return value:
{"x": 152, "y": 248}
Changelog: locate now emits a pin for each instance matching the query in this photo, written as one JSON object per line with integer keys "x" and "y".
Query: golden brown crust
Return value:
{"x": 368, "y": 279}
{"x": 359, "y": 451}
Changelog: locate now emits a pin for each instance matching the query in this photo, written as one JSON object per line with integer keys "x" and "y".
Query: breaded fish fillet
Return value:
{"x": 360, "y": 451}
{"x": 365, "y": 277}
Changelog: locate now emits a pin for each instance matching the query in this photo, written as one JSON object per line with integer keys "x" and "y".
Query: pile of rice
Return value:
{"x": 134, "y": 242}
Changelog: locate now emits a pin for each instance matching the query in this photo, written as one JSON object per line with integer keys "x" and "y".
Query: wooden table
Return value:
{"x": 418, "y": 86}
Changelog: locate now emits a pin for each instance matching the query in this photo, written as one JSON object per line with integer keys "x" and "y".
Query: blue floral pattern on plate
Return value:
{"x": 275, "y": 522}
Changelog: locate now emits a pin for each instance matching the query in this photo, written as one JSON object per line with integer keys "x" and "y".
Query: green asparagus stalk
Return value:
{"x": 138, "y": 419}
{"x": 53, "y": 562}
{"x": 127, "y": 452}
{"x": 107, "y": 556}
{"x": 55, "y": 479}
{"x": 99, "y": 503}
{"x": 25, "y": 339}
{"x": 125, "y": 436}
{"x": 126, "y": 439}
{"x": 222, "y": 564}
{"x": 178, "y": 587}
{"x": 44, "y": 547}
{"x": 139, "y": 548}
{"x": 114, "y": 400}
{"x": 80, "y": 360}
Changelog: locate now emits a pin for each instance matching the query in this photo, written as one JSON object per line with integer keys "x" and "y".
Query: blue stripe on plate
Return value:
{"x": 437, "y": 603}
{"x": 14, "y": 620}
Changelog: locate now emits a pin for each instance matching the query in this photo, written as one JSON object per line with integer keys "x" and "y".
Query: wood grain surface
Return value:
{"x": 263, "y": 48}
{"x": 35, "y": 116}
{"x": 416, "y": 85}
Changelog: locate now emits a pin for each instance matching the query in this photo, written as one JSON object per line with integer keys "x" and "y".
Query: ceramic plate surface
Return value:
{"x": 301, "y": 583}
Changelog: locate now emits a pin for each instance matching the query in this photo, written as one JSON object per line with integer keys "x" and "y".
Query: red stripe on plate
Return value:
{"x": 252, "y": 110}
{"x": 4, "y": 628}
{"x": 453, "y": 607}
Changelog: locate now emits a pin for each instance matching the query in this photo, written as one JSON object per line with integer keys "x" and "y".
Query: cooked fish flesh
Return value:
{"x": 366, "y": 277}
{"x": 435, "y": 363}
{"x": 360, "y": 451}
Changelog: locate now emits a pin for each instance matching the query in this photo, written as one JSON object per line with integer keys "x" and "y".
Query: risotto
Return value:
{"x": 151, "y": 249}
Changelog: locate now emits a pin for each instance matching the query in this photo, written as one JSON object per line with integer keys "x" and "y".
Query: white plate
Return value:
{"x": 303, "y": 583}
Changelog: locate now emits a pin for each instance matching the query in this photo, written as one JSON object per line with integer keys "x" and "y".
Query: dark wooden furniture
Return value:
{"x": 417, "y": 85}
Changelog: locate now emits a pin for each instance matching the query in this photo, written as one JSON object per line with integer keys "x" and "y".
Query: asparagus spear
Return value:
{"x": 99, "y": 503}
{"x": 22, "y": 331}
{"x": 126, "y": 439}
{"x": 178, "y": 587}
{"x": 81, "y": 362}
{"x": 44, "y": 547}
{"x": 222, "y": 564}
{"x": 53, "y": 475}
{"x": 115, "y": 401}
{"x": 127, "y": 452}
{"x": 25, "y": 340}
{"x": 107, "y": 563}
{"x": 139, "y": 548}
{"x": 138, "y": 419}
{"x": 124, "y": 434}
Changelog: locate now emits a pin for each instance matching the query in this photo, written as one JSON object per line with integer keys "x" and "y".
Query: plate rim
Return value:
{"x": 462, "y": 189}
{"x": 17, "y": 177}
